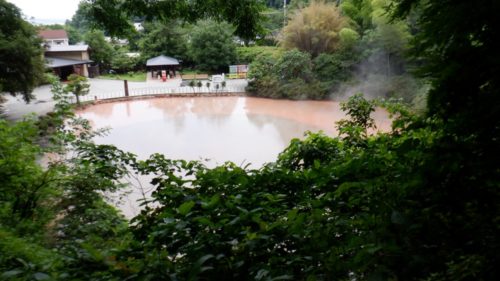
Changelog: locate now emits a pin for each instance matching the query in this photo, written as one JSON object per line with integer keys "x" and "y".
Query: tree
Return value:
{"x": 164, "y": 39}
{"x": 390, "y": 37}
{"x": 82, "y": 19}
{"x": 114, "y": 15}
{"x": 21, "y": 63}
{"x": 458, "y": 48}
{"x": 74, "y": 35}
{"x": 53, "y": 26}
{"x": 348, "y": 38}
{"x": 354, "y": 131}
{"x": 314, "y": 29}
{"x": 381, "y": 51}
{"x": 122, "y": 63}
{"x": 360, "y": 12}
{"x": 101, "y": 51}
{"x": 78, "y": 86}
{"x": 211, "y": 46}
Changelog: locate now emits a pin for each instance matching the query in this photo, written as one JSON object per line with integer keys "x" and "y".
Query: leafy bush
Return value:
{"x": 294, "y": 65}
{"x": 338, "y": 68}
{"x": 246, "y": 55}
{"x": 315, "y": 29}
{"x": 350, "y": 207}
{"x": 290, "y": 76}
{"x": 23, "y": 183}
{"x": 122, "y": 63}
{"x": 21, "y": 259}
{"x": 355, "y": 206}
{"x": 78, "y": 86}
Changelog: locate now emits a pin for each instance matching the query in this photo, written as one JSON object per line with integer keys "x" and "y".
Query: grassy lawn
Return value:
{"x": 131, "y": 76}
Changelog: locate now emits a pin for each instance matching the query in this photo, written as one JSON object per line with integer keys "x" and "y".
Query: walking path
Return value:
{"x": 15, "y": 108}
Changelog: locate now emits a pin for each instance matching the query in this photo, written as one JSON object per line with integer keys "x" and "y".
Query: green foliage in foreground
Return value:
{"x": 357, "y": 206}
{"x": 369, "y": 207}
{"x": 54, "y": 224}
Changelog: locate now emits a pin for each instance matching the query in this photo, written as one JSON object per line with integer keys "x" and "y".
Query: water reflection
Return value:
{"x": 238, "y": 129}
{"x": 316, "y": 115}
{"x": 242, "y": 130}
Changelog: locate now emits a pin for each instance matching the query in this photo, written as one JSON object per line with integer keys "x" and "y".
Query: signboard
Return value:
{"x": 238, "y": 71}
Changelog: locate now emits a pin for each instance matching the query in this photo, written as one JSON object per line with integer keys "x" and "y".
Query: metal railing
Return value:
{"x": 150, "y": 91}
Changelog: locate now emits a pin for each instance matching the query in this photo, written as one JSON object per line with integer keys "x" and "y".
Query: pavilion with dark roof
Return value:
{"x": 162, "y": 63}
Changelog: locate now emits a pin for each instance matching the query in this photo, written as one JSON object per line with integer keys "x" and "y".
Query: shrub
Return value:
{"x": 314, "y": 29}
{"x": 246, "y": 55}
{"x": 290, "y": 76}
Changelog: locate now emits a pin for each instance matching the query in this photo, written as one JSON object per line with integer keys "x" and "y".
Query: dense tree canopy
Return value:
{"x": 211, "y": 46}
{"x": 81, "y": 20}
{"x": 360, "y": 12}
{"x": 21, "y": 63}
{"x": 101, "y": 51}
{"x": 244, "y": 15}
{"x": 160, "y": 38}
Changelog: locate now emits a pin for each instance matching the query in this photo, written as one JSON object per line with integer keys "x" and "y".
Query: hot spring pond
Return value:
{"x": 238, "y": 129}
{"x": 246, "y": 131}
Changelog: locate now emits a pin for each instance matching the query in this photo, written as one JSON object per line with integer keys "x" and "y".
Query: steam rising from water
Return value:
{"x": 381, "y": 75}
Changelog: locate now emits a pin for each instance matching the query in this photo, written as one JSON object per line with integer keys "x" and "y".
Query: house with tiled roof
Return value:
{"x": 54, "y": 37}
{"x": 62, "y": 58}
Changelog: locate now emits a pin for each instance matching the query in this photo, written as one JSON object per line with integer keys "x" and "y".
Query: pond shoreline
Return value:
{"x": 85, "y": 105}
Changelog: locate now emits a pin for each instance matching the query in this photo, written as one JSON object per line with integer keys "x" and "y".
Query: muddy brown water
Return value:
{"x": 243, "y": 130}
